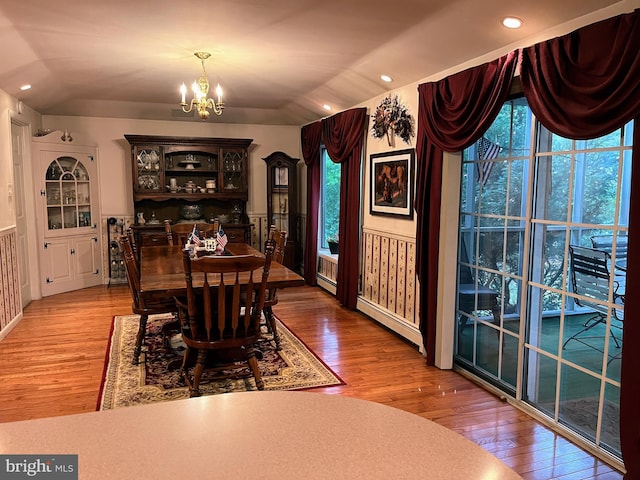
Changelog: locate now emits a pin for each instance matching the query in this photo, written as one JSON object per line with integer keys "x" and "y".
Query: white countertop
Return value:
{"x": 279, "y": 435}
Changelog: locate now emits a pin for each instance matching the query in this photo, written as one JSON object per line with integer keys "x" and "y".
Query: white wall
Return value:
{"x": 9, "y": 108}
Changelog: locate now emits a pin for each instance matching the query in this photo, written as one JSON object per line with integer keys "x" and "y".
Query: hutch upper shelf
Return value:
{"x": 189, "y": 168}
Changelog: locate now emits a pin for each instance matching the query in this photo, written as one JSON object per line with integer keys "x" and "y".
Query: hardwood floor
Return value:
{"x": 51, "y": 364}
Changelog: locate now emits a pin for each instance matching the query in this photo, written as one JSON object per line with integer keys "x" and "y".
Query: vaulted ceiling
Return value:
{"x": 278, "y": 61}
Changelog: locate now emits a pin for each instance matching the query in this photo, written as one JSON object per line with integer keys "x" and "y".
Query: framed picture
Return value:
{"x": 392, "y": 183}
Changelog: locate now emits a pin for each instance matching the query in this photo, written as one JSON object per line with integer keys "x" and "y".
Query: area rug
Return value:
{"x": 156, "y": 378}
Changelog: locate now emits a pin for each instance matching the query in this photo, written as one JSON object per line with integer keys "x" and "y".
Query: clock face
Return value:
{"x": 281, "y": 175}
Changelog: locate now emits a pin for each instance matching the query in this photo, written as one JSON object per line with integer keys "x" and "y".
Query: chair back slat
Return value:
{"x": 208, "y": 321}
{"x": 228, "y": 290}
{"x": 235, "y": 307}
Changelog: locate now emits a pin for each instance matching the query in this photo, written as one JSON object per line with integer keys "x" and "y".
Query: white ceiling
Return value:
{"x": 277, "y": 60}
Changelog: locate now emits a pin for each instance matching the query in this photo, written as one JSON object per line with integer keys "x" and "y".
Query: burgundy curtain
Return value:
{"x": 311, "y": 139}
{"x": 452, "y": 114}
{"x": 584, "y": 85}
{"x": 343, "y": 135}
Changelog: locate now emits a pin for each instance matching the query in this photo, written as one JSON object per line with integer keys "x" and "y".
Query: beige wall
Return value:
{"x": 114, "y": 159}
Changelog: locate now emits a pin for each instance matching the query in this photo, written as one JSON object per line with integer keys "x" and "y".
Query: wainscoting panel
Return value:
{"x": 389, "y": 277}
{"x": 260, "y": 229}
{"x": 10, "y": 300}
{"x": 328, "y": 267}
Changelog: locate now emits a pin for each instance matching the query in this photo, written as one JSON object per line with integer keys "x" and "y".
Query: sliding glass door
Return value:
{"x": 541, "y": 269}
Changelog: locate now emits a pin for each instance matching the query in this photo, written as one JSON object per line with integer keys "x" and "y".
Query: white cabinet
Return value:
{"x": 67, "y": 199}
{"x": 70, "y": 263}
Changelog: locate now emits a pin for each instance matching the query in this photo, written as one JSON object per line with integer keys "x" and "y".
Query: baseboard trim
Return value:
{"x": 326, "y": 284}
{"x": 9, "y": 326}
{"x": 390, "y": 321}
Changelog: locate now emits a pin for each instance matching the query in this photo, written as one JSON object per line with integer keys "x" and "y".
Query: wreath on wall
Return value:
{"x": 393, "y": 118}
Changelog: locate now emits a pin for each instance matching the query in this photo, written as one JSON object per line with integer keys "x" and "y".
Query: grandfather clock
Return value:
{"x": 282, "y": 202}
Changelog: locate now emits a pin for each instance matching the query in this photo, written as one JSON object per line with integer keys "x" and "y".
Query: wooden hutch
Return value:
{"x": 189, "y": 179}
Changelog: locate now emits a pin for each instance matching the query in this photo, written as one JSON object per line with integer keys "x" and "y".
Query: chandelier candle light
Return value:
{"x": 200, "y": 90}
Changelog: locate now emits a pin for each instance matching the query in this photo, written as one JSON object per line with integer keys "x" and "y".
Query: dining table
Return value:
{"x": 162, "y": 270}
{"x": 284, "y": 435}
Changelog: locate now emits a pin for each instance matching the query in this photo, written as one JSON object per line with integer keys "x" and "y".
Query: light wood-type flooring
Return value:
{"x": 52, "y": 362}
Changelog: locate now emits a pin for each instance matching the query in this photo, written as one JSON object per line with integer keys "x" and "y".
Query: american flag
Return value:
{"x": 487, "y": 152}
{"x": 221, "y": 238}
{"x": 195, "y": 238}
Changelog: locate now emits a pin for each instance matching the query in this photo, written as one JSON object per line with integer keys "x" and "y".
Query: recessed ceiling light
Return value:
{"x": 25, "y": 87}
{"x": 326, "y": 107}
{"x": 512, "y": 22}
{"x": 386, "y": 78}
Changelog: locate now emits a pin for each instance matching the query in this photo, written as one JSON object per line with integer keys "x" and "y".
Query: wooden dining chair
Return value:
{"x": 221, "y": 321}
{"x": 144, "y": 304}
{"x": 279, "y": 239}
{"x": 178, "y": 233}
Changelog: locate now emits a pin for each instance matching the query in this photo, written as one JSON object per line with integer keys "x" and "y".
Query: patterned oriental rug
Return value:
{"x": 157, "y": 379}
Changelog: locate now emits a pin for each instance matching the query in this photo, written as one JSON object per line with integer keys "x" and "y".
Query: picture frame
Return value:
{"x": 391, "y": 186}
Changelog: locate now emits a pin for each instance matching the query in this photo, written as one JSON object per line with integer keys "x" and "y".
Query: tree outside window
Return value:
{"x": 329, "y": 201}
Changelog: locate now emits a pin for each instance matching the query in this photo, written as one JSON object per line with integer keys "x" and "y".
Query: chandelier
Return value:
{"x": 200, "y": 90}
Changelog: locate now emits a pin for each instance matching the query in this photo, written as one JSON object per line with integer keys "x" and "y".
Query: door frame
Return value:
{"x": 26, "y": 189}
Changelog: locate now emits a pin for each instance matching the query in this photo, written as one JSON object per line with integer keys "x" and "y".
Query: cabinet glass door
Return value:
{"x": 233, "y": 171}
{"x": 280, "y": 198}
{"x": 148, "y": 170}
{"x": 68, "y": 194}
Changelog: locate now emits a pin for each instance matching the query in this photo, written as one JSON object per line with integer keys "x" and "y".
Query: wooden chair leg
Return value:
{"x": 271, "y": 324}
{"x": 197, "y": 373}
{"x": 255, "y": 369}
{"x": 184, "y": 373}
{"x": 142, "y": 328}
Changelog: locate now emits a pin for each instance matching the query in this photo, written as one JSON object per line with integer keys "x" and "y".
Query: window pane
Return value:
{"x": 519, "y": 221}
{"x": 552, "y": 187}
{"x": 517, "y": 186}
{"x": 541, "y": 382}
{"x": 599, "y": 194}
{"x": 579, "y": 394}
{"x": 612, "y": 140}
{"x": 494, "y": 192}
{"x": 558, "y": 144}
{"x": 330, "y": 200}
